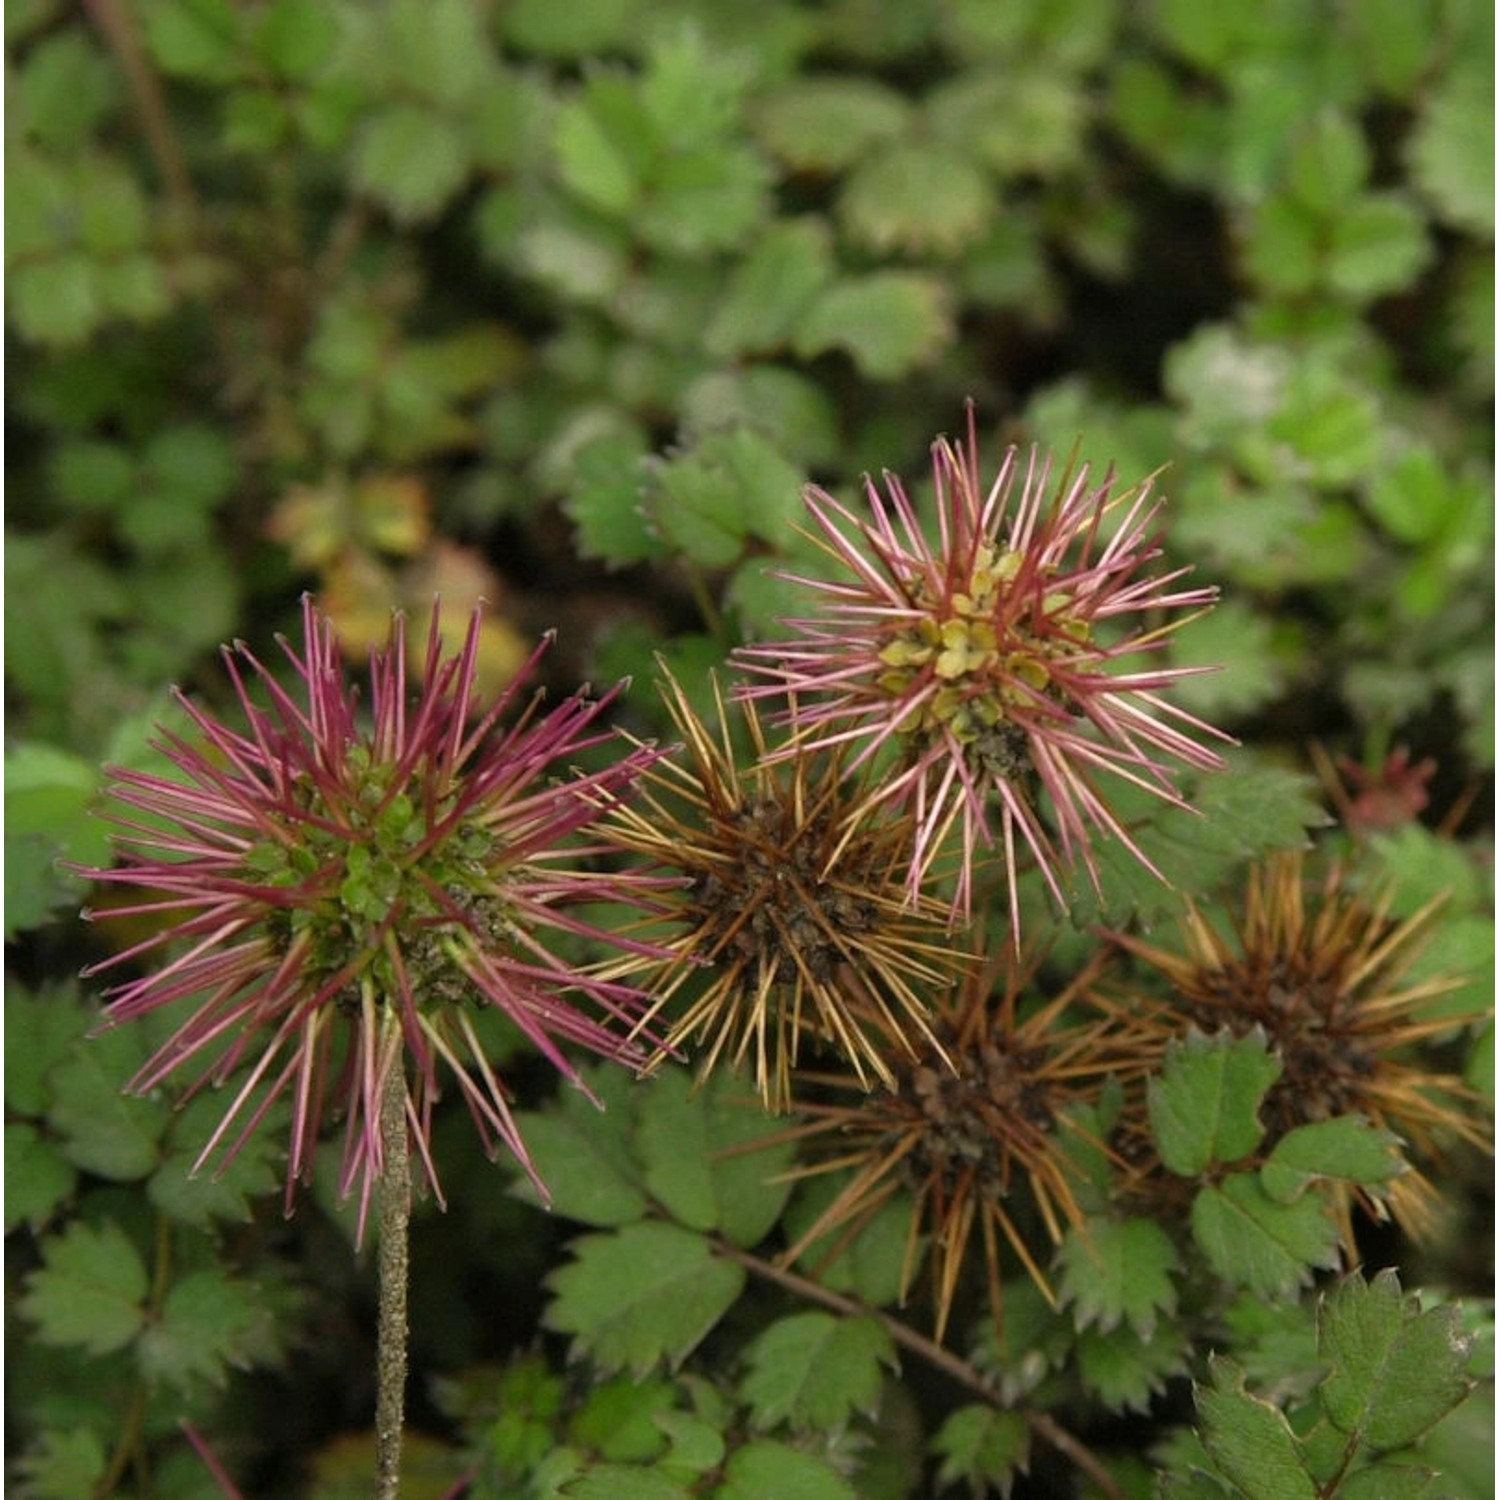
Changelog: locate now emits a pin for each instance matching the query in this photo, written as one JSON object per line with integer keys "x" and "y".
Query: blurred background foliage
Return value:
{"x": 558, "y": 305}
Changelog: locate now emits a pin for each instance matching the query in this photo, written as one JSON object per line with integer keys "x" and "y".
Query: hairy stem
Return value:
{"x": 393, "y": 1198}
{"x": 932, "y": 1353}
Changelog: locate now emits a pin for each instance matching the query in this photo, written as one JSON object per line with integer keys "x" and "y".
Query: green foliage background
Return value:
{"x": 563, "y": 303}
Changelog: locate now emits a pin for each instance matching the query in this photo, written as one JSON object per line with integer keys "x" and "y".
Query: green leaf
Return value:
{"x": 295, "y": 39}
{"x": 63, "y": 1465}
{"x": 696, "y": 1445}
{"x": 1414, "y": 498}
{"x": 1389, "y": 1482}
{"x": 41, "y": 1030}
{"x": 208, "y": 1321}
{"x": 827, "y": 124}
{"x": 1335, "y": 428}
{"x": 648, "y": 1293}
{"x": 728, "y": 486}
{"x": 1234, "y": 815}
{"x": 54, "y": 301}
{"x": 1253, "y": 1241}
{"x": 762, "y": 1468}
{"x": 197, "y": 39}
{"x": 581, "y": 1150}
{"x": 889, "y": 322}
{"x": 770, "y": 288}
{"x": 1349, "y": 1149}
{"x": 89, "y": 1291}
{"x": 1329, "y": 165}
{"x": 870, "y": 1265}
{"x": 917, "y": 198}
{"x": 697, "y": 1147}
{"x": 1240, "y": 643}
{"x": 1249, "y": 1439}
{"x": 623, "y": 1482}
{"x": 709, "y": 199}
{"x": 1125, "y": 1369}
{"x": 101, "y": 1129}
{"x": 814, "y": 1371}
{"x": 1118, "y": 1269}
{"x": 1396, "y": 1370}
{"x": 1204, "y": 1106}
{"x": 600, "y": 141}
{"x": 584, "y": 28}
{"x": 618, "y": 1419}
{"x": 1378, "y": 245}
{"x": 64, "y": 90}
{"x": 49, "y": 817}
{"x": 982, "y": 1447}
{"x": 1451, "y": 151}
{"x": 37, "y": 1176}
{"x": 221, "y": 1191}
{"x": 410, "y": 160}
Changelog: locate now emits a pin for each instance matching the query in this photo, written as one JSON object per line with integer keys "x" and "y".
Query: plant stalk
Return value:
{"x": 393, "y": 1200}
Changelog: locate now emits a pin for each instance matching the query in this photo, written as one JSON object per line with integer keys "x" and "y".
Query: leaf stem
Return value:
{"x": 926, "y": 1349}
{"x": 393, "y": 1205}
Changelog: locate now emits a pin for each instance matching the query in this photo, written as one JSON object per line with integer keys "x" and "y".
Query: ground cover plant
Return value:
{"x": 826, "y": 825}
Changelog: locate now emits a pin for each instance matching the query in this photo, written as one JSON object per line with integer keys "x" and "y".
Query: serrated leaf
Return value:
{"x": 727, "y": 487}
{"x": 827, "y": 124}
{"x": 982, "y": 1447}
{"x": 101, "y": 1129}
{"x": 1233, "y": 815}
{"x": 769, "y": 288}
{"x": 410, "y": 160}
{"x": 1378, "y": 245}
{"x": 594, "y": 155}
{"x": 692, "y": 1145}
{"x": 703, "y": 200}
{"x": 1126, "y": 1370}
{"x": 582, "y": 1153}
{"x": 889, "y": 322}
{"x": 41, "y": 1030}
{"x": 1348, "y": 1148}
{"x": 695, "y": 1445}
{"x": 1389, "y": 1482}
{"x": 917, "y": 198}
{"x": 222, "y": 1191}
{"x": 617, "y": 1420}
{"x": 1451, "y": 151}
{"x": 63, "y": 1465}
{"x": 1117, "y": 1269}
{"x": 90, "y": 1290}
{"x": 1249, "y": 1439}
{"x": 762, "y": 1468}
{"x": 1329, "y": 164}
{"x": 646, "y": 1294}
{"x": 1205, "y": 1105}
{"x": 814, "y": 1371}
{"x": 1396, "y": 1369}
{"x": 622, "y": 1482}
{"x": 208, "y": 1321}
{"x": 605, "y": 502}
{"x": 870, "y": 1264}
{"x": 37, "y": 1176}
{"x": 1253, "y": 1241}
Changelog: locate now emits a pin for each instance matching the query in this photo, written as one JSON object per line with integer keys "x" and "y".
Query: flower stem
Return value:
{"x": 393, "y": 1195}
